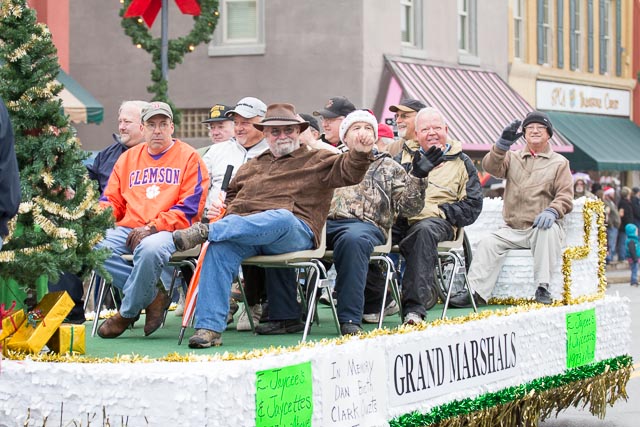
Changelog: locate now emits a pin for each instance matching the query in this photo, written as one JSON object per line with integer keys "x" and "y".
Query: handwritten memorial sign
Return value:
{"x": 354, "y": 389}
{"x": 581, "y": 338}
{"x": 284, "y": 396}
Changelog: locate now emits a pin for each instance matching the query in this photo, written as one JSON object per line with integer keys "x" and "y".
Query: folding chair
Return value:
{"x": 449, "y": 253}
{"x": 380, "y": 254}
{"x": 178, "y": 259}
{"x": 310, "y": 260}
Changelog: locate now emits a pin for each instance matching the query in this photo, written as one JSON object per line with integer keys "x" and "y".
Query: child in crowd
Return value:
{"x": 633, "y": 251}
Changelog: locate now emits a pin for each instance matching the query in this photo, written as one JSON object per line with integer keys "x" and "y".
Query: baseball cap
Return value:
{"x": 408, "y": 105}
{"x": 154, "y": 108}
{"x": 336, "y": 107}
{"x": 248, "y": 107}
{"x": 217, "y": 113}
{"x": 312, "y": 121}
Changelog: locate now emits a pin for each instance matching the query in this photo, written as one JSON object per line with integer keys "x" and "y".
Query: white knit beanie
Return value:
{"x": 358, "y": 116}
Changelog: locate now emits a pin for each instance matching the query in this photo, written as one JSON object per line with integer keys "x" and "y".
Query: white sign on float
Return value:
{"x": 424, "y": 369}
{"x": 354, "y": 388}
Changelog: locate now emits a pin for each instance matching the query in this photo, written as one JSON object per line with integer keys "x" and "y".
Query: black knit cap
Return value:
{"x": 538, "y": 117}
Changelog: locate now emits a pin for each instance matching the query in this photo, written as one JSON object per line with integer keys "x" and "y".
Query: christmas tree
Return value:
{"x": 55, "y": 229}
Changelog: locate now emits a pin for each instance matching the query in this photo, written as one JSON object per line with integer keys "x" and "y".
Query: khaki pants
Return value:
{"x": 546, "y": 246}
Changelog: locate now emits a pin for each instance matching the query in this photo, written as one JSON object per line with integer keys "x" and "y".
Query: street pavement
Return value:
{"x": 622, "y": 414}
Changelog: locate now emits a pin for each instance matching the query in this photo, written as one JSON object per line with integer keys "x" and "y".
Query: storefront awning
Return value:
{"x": 601, "y": 143}
{"x": 78, "y": 104}
{"x": 477, "y": 104}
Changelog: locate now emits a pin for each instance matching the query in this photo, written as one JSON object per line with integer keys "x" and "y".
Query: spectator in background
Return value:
{"x": 9, "y": 173}
{"x": 625, "y": 209}
{"x": 580, "y": 188}
{"x": 314, "y": 126}
{"x": 612, "y": 221}
{"x": 632, "y": 249}
{"x": 220, "y": 127}
{"x": 635, "y": 203}
{"x": 310, "y": 136}
{"x": 129, "y": 135}
{"x": 332, "y": 115}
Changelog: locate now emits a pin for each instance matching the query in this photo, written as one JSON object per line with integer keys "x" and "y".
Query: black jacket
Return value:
{"x": 9, "y": 173}
{"x": 103, "y": 165}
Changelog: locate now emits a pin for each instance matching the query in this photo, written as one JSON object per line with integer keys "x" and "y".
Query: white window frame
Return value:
{"x": 578, "y": 34}
{"x": 547, "y": 35}
{"x": 414, "y": 47}
{"x": 467, "y": 21}
{"x": 608, "y": 24}
{"x": 518, "y": 29}
{"x": 221, "y": 45}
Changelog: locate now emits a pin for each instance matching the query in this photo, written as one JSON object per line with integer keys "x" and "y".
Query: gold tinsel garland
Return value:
{"x": 570, "y": 254}
{"x": 67, "y": 236}
{"x": 8, "y": 9}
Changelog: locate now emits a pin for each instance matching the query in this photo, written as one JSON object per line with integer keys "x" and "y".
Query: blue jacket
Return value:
{"x": 9, "y": 173}
{"x": 631, "y": 242}
{"x": 103, "y": 165}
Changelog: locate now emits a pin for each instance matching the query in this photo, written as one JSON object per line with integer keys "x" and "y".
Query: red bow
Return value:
{"x": 148, "y": 9}
{"x": 4, "y": 313}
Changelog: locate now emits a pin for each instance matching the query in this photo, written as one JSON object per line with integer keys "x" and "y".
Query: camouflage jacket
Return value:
{"x": 386, "y": 191}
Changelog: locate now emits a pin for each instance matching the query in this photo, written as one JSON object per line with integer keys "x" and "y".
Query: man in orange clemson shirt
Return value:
{"x": 156, "y": 187}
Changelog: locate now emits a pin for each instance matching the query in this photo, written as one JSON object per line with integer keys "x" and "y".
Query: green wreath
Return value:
{"x": 202, "y": 31}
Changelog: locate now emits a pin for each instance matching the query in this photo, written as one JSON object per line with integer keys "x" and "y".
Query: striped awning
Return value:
{"x": 78, "y": 104}
{"x": 477, "y": 104}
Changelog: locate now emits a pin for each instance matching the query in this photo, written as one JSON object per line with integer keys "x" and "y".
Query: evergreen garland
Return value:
{"x": 52, "y": 232}
{"x": 202, "y": 31}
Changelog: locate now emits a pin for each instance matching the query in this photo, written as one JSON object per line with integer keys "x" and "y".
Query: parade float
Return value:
{"x": 513, "y": 363}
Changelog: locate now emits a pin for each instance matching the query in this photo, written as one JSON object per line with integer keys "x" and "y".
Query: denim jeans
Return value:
{"x": 634, "y": 271}
{"x": 137, "y": 282}
{"x": 233, "y": 239}
{"x": 352, "y": 242}
{"x": 612, "y": 243}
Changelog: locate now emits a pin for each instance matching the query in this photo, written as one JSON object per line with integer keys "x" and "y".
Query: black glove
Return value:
{"x": 509, "y": 135}
{"x": 422, "y": 165}
{"x": 137, "y": 234}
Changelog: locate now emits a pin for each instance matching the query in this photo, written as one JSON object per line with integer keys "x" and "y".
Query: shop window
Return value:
{"x": 467, "y": 32}
{"x": 545, "y": 32}
{"x": 605, "y": 36}
{"x": 191, "y": 125}
{"x": 411, "y": 28}
{"x": 240, "y": 29}
{"x": 576, "y": 23}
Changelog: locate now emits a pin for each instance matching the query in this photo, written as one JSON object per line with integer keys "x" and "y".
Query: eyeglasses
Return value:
{"x": 153, "y": 126}
{"x": 536, "y": 128}
{"x": 404, "y": 116}
{"x": 276, "y": 132}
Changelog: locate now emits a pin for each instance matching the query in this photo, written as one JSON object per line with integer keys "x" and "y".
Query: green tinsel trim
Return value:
{"x": 475, "y": 411}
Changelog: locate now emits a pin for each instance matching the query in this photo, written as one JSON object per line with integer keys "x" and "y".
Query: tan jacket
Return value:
{"x": 301, "y": 182}
{"x": 534, "y": 183}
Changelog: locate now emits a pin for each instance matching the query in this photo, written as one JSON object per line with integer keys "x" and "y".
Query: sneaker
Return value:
{"x": 179, "y": 311}
{"x": 243, "y": 319}
{"x": 412, "y": 318}
{"x": 543, "y": 296}
{"x": 391, "y": 309}
{"x": 236, "y": 293}
{"x": 233, "y": 309}
{"x": 349, "y": 328}
{"x": 191, "y": 237}
{"x": 634, "y": 284}
{"x": 205, "y": 338}
{"x": 279, "y": 327}
{"x": 324, "y": 299}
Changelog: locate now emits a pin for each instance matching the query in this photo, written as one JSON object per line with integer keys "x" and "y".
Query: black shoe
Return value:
{"x": 350, "y": 328}
{"x": 461, "y": 299}
{"x": 543, "y": 296}
{"x": 279, "y": 327}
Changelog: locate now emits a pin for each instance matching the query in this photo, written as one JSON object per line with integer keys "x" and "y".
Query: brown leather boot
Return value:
{"x": 155, "y": 312}
{"x": 114, "y": 326}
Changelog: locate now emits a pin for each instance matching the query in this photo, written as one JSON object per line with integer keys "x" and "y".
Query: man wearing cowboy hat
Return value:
{"x": 277, "y": 203}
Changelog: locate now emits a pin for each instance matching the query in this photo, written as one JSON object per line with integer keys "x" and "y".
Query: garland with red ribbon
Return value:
{"x": 139, "y": 15}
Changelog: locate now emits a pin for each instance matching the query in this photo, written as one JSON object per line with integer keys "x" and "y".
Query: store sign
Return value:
{"x": 582, "y": 99}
